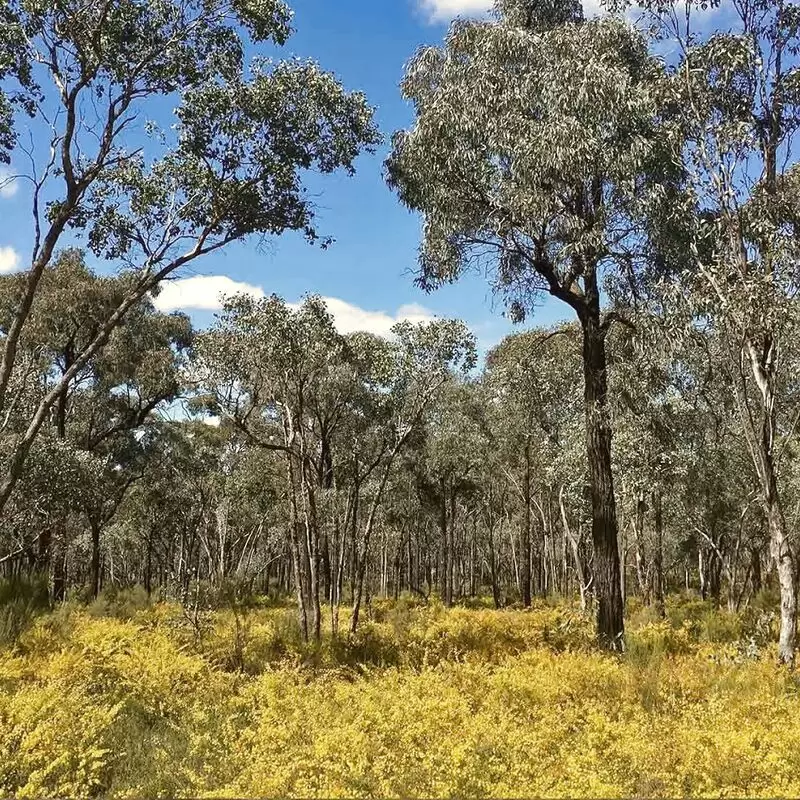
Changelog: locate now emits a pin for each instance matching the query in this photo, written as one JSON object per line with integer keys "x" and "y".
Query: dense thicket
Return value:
{"x": 341, "y": 468}
{"x": 645, "y": 181}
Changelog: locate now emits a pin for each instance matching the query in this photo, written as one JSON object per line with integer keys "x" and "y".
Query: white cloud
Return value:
{"x": 201, "y": 292}
{"x": 349, "y": 318}
{"x": 8, "y": 184}
{"x": 206, "y": 292}
{"x": 444, "y": 10}
{"x": 9, "y": 259}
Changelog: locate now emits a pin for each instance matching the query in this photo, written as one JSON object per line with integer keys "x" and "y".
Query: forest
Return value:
{"x": 266, "y": 557}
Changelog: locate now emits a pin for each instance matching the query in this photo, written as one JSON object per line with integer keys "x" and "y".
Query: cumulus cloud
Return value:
{"x": 206, "y": 293}
{"x": 349, "y": 318}
{"x": 9, "y": 259}
{"x": 201, "y": 293}
{"x": 444, "y": 10}
{"x": 8, "y": 184}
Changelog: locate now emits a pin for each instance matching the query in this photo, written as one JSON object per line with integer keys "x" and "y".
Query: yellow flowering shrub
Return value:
{"x": 424, "y": 701}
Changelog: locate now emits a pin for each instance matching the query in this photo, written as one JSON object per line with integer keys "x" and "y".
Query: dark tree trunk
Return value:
{"x": 525, "y": 538}
{"x": 444, "y": 566}
{"x": 658, "y": 554}
{"x": 95, "y": 526}
{"x": 610, "y": 626}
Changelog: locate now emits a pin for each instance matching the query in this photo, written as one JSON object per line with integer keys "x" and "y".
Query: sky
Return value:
{"x": 367, "y": 273}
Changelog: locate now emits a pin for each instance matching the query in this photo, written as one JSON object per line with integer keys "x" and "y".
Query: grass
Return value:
{"x": 127, "y": 699}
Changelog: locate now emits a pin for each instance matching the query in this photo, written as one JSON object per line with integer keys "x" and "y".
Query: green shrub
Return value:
{"x": 21, "y": 600}
{"x": 119, "y": 603}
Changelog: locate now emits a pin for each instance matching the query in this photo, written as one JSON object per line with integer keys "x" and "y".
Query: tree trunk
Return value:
{"x": 762, "y": 361}
{"x": 444, "y": 570}
{"x": 702, "y": 573}
{"x": 610, "y": 626}
{"x": 95, "y": 526}
{"x": 658, "y": 554}
{"x": 294, "y": 544}
{"x": 784, "y": 562}
{"x": 638, "y": 530}
{"x": 525, "y": 538}
{"x": 364, "y": 554}
{"x": 576, "y": 552}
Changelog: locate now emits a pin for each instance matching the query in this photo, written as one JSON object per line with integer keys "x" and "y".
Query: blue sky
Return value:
{"x": 367, "y": 273}
{"x": 366, "y": 43}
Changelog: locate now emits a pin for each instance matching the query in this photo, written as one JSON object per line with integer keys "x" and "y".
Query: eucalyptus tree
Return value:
{"x": 105, "y": 407}
{"x": 46, "y": 518}
{"x": 733, "y": 103}
{"x": 451, "y": 466}
{"x": 535, "y": 138}
{"x": 228, "y": 163}
{"x": 533, "y": 381}
{"x": 271, "y": 370}
{"x": 422, "y": 360}
{"x": 157, "y": 534}
{"x": 653, "y": 448}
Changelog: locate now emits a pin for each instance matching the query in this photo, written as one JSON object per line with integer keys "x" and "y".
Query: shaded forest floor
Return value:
{"x": 424, "y": 701}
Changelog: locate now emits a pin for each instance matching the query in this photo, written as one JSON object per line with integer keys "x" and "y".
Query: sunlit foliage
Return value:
{"x": 425, "y": 701}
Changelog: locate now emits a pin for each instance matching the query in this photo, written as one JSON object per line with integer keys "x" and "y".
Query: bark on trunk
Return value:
{"x": 576, "y": 552}
{"x": 658, "y": 554}
{"x": 610, "y": 627}
{"x": 525, "y": 538}
{"x": 638, "y": 530}
{"x": 784, "y": 562}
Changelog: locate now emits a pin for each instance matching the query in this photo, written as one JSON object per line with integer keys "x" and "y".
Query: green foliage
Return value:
{"x": 21, "y": 600}
{"x": 536, "y": 112}
{"x": 119, "y": 603}
{"x": 233, "y": 163}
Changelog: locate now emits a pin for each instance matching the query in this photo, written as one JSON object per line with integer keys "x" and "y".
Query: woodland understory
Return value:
{"x": 125, "y": 698}
{"x": 560, "y": 564}
{"x": 638, "y": 173}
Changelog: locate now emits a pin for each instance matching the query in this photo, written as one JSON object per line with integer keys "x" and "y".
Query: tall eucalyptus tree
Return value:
{"x": 534, "y": 140}
{"x": 733, "y": 100}
{"x": 79, "y": 79}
